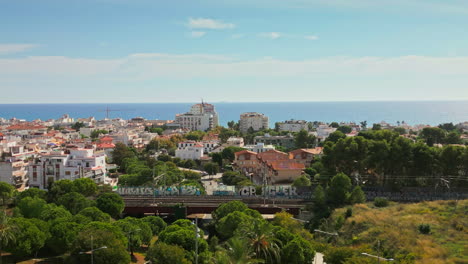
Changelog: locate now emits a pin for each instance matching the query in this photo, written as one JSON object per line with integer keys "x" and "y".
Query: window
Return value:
{"x": 68, "y": 173}
{"x": 87, "y": 164}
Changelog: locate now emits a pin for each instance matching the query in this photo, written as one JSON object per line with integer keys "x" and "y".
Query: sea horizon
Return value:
{"x": 430, "y": 112}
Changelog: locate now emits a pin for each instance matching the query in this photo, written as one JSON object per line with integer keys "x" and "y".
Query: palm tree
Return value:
{"x": 237, "y": 251}
{"x": 262, "y": 240}
{"x": 7, "y": 231}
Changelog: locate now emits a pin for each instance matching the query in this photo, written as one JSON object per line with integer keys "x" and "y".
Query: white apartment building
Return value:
{"x": 14, "y": 167}
{"x": 253, "y": 120}
{"x": 201, "y": 117}
{"x": 293, "y": 125}
{"x": 79, "y": 163}
{"x": 259, "y": 147}
{"x": 235, "y": 142}
{"x": 323, "y": 131}
{"x": 189, "y": 151}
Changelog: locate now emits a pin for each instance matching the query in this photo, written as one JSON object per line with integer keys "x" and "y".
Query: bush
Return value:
{"x": 424, "y": 229}
{"x": 381, "y": 202}
{"x": 349, "y": 212}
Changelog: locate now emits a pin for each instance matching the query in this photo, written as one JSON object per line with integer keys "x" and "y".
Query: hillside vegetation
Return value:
{"x": 397, "y": 231}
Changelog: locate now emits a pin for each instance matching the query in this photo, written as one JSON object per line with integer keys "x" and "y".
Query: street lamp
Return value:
{"x": 196, "y": 238}
{"x": 92, "y": 250}
{"x": 378, "y": 252}
{"x": 128, "y": 237}
{"x": 326, "y": 233}
{"x": 377, "y": 257}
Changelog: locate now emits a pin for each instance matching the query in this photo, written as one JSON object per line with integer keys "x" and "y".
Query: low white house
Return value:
{"x": 189, "y": 151}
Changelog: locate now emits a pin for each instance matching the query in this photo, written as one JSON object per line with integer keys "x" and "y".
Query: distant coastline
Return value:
{"x": 412, "y": 112}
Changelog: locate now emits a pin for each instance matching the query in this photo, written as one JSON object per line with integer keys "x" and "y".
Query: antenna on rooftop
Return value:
{"x": 108, "y": 110}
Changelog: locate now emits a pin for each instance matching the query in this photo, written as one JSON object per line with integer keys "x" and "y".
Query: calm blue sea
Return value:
{"x": 433, "y": 113}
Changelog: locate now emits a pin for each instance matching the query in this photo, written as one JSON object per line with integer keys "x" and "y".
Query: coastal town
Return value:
{"x": 36, "y": 153}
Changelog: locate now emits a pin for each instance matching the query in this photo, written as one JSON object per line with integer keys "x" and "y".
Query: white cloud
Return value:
{"x": 15, "y": 48}
{"x": 237, "y": 36}
{"x": 197, "y": 34}
{"x": 154, "y": 65}
{"x": 42, "y": 78}
{"x": 207, "y": 23}
{"x": 271, "y": 35}
{"x": 311, "y": 37}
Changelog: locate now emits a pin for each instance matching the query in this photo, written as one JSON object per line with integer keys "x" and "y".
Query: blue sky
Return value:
{"x": 54, "y": 51}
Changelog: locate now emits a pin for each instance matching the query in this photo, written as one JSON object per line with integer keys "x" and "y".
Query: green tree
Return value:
{"x": 432, "y": 135}
{"x": 357, "y": 196}
{"x": 400, "y": 130}
{"x": 121, "y": 152}
{"x": 74, "y": 202}
{"x": 338, "y": 192}
{"x": 100, "y": 235}
{"x": 138, "y": 232}
{"x": 297, "y": 251}
{"x": 182, "y": 233}
{"x": 63, "y": 234}
{"x": 228, "y": 225}
{"x": 211, "y": 168}
{"x": 162, "y": 253}
{"x": 447, "y": 127}
{"x": 6, "y": 191}
{"x": 7, "y": 231}
{"x": 85, "y": 186}
{"x": 218, "y": 158}
{"x": 58, "y": 189}
{"x": 95, "y": 134}
{"x": 31, "y": 207}
{"x": 335, "y": 136}
{"x": 52, "y": 211}
{"x": 345, "y": 129}
{"x": 110, "y": 203}
{"x": 78, "y": 125}
{"x": 31, "y": 192}
{"x": 30, "y": 234}
{"x": 156, "y": 224}
{"x": 338, "y": 255}
{"x": 228, "y": 153}
{"x": 237, "y": 251}
{"x": 262, "y": 240}
{"x": 227, "y": 208}
{"x": 334, "y": 125}
{"x": 302, "y": 181}
{"x": 232, "y": 178}
{"x": 453, "y": 138}
{"x": 302, "y": 139}
{"x": 195, "y": 135}
{"x": 94, "y": 214}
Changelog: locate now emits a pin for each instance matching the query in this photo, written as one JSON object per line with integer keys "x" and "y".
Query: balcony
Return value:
{"x": 19, "y": 173}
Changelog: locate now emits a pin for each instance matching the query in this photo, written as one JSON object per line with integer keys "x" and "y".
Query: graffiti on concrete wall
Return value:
{"x": 160, "y": 191}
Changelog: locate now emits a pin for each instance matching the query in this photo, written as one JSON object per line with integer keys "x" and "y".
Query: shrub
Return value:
{"x": 424, "y": 229}
{"x": 381, "y": 202}
{"x": 349, "y": 212}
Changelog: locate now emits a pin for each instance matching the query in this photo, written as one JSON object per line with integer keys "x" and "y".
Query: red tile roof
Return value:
{"x": 314, "y": 151}
{"x": 286, "y": 165}
{"x": 244, "y": 152}
{"x": 25, "y": 127}
{"x": 273, "y": 155}
{"x": 106, "y": 145}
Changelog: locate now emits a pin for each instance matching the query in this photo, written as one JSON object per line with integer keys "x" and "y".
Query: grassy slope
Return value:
{"x": 396, "y": 227}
